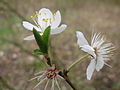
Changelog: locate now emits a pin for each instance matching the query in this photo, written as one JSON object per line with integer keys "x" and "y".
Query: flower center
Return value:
{"x": 45, "y": 18}
{"x": 51, "y": 73}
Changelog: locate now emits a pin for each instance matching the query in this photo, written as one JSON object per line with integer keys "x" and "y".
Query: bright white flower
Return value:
{"x": 50, "y": 75}
{"x": 99, "y": 50}
{"x": 42, "y": 20}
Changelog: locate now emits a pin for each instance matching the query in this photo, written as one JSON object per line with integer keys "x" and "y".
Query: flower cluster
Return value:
{"x": 47, "y": 23}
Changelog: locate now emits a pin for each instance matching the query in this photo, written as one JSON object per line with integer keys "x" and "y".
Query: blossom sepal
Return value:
{"x": 42, "y": 40}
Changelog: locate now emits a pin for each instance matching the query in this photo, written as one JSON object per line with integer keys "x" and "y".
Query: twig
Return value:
{"x": 65, "y": 76}
{"x": 48, "y": 61}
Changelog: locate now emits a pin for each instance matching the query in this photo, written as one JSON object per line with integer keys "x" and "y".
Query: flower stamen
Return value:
{"x": 51, "y": 73}
{"x": 35, "y": 19}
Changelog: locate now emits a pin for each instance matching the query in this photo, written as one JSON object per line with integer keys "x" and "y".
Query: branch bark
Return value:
{"x": 65, "y": 76}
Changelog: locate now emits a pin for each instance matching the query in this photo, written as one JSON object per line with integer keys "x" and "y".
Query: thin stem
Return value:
{"x": 69, "y": 82}
{"x": 76, "y": 62}
{"x": 66, "y": 78}
{"x": 48, "y": 61}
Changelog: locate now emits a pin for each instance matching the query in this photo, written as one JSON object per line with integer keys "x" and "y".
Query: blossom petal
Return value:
{"x": 100, "y": 63}
{"x": 56, "y": 20}
{"x": 30, "y": 26}
{"x": 81, "y": 39}
{"x": 44, "y": 13}
{"x": 90, "y": 69}
{"x": 89, "y": 49}
{"x": 59, "y": 29}
{"x": 29, "y": 37}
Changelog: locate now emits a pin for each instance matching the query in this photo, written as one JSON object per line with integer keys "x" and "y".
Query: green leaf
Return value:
{"x": 46, "y": 35}
{"x": 38, "y": 52}
{"x": 39, "y": 41}
{"x": 43, "y": 40}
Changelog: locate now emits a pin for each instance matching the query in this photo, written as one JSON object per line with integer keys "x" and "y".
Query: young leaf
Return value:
{"x": 39, "y": 41}
{"x": 38, "y": 52}
{"x": 46, "y": 35}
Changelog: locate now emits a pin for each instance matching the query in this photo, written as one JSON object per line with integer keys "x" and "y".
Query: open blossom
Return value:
{"x": 42, "y": 20}
{"x": 49, "y": 76}
{"x": 99, "y": 50}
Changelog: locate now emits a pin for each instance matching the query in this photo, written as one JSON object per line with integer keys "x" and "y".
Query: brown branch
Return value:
{"x": 48, "y": 61}
{"x": 65, "y": 76}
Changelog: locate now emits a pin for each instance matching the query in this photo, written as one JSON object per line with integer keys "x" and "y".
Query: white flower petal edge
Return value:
{"x": 29, "y": 37}
{"x": 83, "y": 44}
{"x": 100, "y": 63}
{"x": 59, "y": 29}
{"x": 30, "y": 26}
{"x": 90, "y": 69}
{"x": 57, "y": 20}
{"x": 89, "y": 49}
{"x": 99, "y": 49}
{"x": 81, "y": 39}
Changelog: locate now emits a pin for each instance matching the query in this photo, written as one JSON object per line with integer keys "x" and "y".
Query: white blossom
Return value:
{"x": 99, "y": 50}
{"x": 42, "y": 20}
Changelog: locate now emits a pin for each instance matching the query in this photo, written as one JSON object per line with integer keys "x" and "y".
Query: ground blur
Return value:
{"x": 18, "y": 64}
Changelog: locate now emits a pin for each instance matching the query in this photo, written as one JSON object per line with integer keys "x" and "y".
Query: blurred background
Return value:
{"x": 18, "y": 64}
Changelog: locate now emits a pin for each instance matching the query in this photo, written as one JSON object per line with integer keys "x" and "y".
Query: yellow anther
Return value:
{"x": 43, "y": 19}
{"x": 36, "y": 13}
{"x": 46, "y": 20}
{"x": 54, "y": 14}
{"x": 31, "y": 16}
